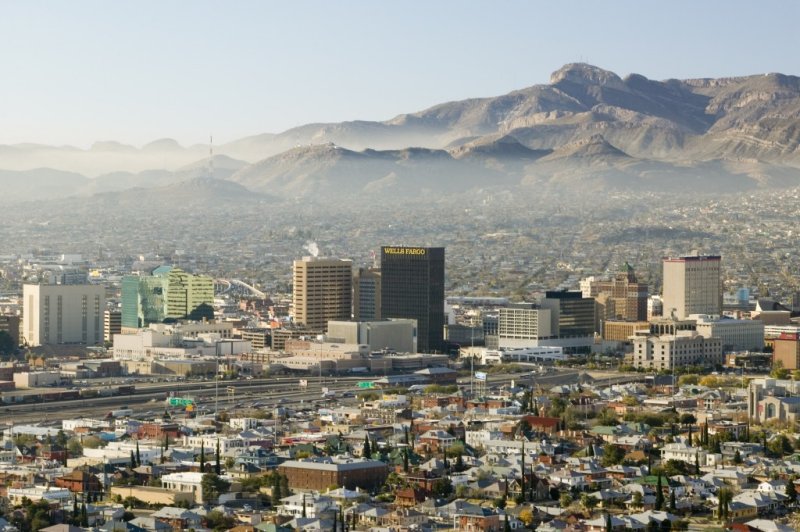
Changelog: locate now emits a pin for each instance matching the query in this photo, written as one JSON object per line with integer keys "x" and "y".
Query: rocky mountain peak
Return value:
{"x": 585, "y": 74}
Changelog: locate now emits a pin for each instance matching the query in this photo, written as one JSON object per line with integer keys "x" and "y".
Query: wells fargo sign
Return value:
{"x": 404, "y": 251}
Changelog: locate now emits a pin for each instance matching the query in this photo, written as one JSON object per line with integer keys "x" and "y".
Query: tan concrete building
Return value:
{"x": 624, "y": 297}
{"x": 786, "y": 350}
{"x": 322, "y": 291}
{"x": 621, "y": 331}
{"x": 686, "y": 348}
{"x": 692, "y": 285}
{"x": 63, "y": 314}
{"x": 397, "y": 334}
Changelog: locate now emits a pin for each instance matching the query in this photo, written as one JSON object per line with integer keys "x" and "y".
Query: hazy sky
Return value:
{"x": 79, "y": 71}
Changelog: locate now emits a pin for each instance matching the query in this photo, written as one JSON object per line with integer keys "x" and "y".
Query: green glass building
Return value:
{"x": 167, "y": 294}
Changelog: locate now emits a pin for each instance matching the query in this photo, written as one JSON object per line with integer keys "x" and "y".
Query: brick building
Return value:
{"x": 319, "y": 474}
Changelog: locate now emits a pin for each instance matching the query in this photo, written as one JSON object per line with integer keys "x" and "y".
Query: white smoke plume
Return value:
{"x": 312, "y": 248}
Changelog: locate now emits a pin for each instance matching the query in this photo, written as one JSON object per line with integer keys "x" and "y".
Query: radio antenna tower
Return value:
{"x": 211, "y": 157}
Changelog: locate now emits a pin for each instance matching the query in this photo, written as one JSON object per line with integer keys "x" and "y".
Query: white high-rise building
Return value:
{"x": 63, "y": 314}
{"x": 522, "y": 325}
{"x": 692, "y": 286}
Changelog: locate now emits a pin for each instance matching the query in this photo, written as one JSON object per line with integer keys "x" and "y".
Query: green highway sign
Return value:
{"x": 366, "y": 384}
{"x": 180, "y": 401}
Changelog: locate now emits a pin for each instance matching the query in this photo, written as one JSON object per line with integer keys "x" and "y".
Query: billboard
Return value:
{"x": 480, "y": 375}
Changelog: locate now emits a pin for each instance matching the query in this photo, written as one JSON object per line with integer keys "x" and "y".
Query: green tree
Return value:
{"x": 217, "y": 465}
{"x": 565, "y": 500}
{"x": 725, "y": 497}
{"x": 780, "y": 446}
{"x": 612, "y": 455}
{"x": 212, "y": 486}
{"x": 92, "y": 442}
{"x": 791, "y": 490}
{"x": 217, "y": 520}
{"x": 138, "y": 455}
{"x": 367, "y": 452}
{"x": 659, "y": 495}
{"x": 589, "y": 502}
{"x": 778, "y": 371}
{"x": 737, "y": 457}
{"x": 442, "y": 488}
{"x": 74, "y": 447}
{"x": 672, "y": 501}
{"x": 637, "y": 499}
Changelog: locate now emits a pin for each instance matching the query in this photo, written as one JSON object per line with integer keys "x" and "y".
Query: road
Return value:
{"x": 269, "y": 393}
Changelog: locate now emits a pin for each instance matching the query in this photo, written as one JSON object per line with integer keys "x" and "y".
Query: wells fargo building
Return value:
{"x": 412, "y": 286}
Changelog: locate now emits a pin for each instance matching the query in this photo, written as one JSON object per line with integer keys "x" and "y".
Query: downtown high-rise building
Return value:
{"x": 166, "y": 294}
{"x": 692, "y": 285}
{"x": 322, "y": 291}
{"x": 412, "y": 286}
{"x": 367, "y": 294}
{"x": 63, "y": 314}
{"x": 623, "y": 297}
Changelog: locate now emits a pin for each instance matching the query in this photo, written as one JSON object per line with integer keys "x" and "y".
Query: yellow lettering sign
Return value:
{"x": 404, "y": 251}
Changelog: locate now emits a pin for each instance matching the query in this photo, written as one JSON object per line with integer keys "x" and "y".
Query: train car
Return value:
{"x": 121, "y": 412}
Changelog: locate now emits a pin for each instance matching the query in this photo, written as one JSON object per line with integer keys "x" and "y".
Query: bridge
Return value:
{"x": 225, "y": 286}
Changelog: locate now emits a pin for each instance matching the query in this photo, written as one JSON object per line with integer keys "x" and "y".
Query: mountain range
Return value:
{"x": 586, "y": 130}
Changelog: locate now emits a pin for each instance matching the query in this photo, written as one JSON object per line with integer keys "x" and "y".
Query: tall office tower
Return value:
{"x": 412, "y": 286}
{"x": 167, "y": 294}
{"x": 523, "y": 325}
{"x": 692, "y": 286}
{"x": 189, "y": 296}
{"x": 63, "y": 314}
{"x": 571, "y": 314}
{"x": 322, "y": 291}
{"x": 367, "y": 294}
{"x": 626, "y": 299}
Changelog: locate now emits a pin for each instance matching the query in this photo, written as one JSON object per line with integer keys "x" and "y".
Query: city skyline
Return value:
{"x": 137, "y": 73}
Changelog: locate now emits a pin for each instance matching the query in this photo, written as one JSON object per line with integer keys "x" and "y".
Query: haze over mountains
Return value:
{"x": 585, "y": 131}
